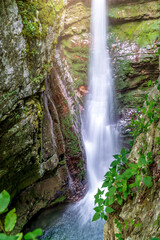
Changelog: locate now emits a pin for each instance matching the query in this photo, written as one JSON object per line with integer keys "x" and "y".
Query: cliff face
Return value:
{"x": 40, "y": 141}
{"x": 133, "y": 42}
{"x": 139, "y": 214}
{"x": 134, "y": 39}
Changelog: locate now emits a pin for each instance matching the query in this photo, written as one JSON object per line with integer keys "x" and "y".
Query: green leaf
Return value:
{"x": 105, "y": 217}
{"x": 96, "y": 216}
{"x": 120, "y": 201}
{"x": 127, "y": 174}
{"x": 10, "y": 220}
{"x": 124, "y": 186}
{"x": 126, "y": 223}
{"x": 5, "y": 237}
{"x": 116, "y": 156}
{"x": 149, "y": 83}
{"x": 4, "y": 200}
{"x": 123, "y": 151}
{"x": 147, "y": 181}
{"x": 98, "y": 209}
{"x": 32, "y": 235}
{"x": 19, "y": 235}
{"x": 124, "y": 159}
{"x": 102, "y": 215}
{"x": 125, "y": 195}
{"x": 138, "y": 179}
{"x": 100, "y": 201}
{"x": 114, "y": 163}
{"x": 111, "y": 200}
{"x": 105, "y": 184}
{"x": 109, "y": 210}
{"x": 142, "y": 159}
{"x": 112, "y": 191}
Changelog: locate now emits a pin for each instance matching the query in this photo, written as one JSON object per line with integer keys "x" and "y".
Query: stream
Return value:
{"x": 69, "y": 222}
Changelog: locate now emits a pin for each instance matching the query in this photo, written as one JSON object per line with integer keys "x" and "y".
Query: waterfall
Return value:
{"x": 98, "y": 130}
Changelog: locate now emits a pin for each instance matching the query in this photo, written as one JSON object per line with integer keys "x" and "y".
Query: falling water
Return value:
{"x": 98, "y": 129}
{"x": 99, "y": 136}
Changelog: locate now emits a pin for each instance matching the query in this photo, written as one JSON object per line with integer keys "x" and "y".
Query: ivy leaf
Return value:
{"x": 149, "y": 83}
{"x": 105, "y": 184}
{"x": 97, "y": 209}
{"x": 116, "y": 156}
{"x": 20, "y": 236}
{"x": 100, "y": 201}
{"x": 147, "y": 181}
{"x": 138, "y": 180}
{"x": 125, "y": 195}
{"x": 124, "y": 186}
{"x": 32, "y": 235}
{"x": 120, "y": 201}
{"x": 123, "y": 152}
{"x": 4, "y": 200}
{"x": 111, "y": 200}
{"x": 124, "y": 159}
{"x": 109, "y": 210}
{"x": 114, "y": 163}
{"x": 112, "y": 190}
{"x": 10, "y": 220}
{"x": 5, "y": 237}
{"x": 142, "y": 159}
{"x": 127, "y": 174}
{"x": 96, "y": 216}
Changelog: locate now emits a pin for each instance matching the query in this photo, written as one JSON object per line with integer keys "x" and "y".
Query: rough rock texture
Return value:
{"x": 22, "y": 76}
{"x": 40, "y": 142}
{"x": 134, "y": 37}
{"x": 141, "y": 212}
{"x": 75, "y": 40}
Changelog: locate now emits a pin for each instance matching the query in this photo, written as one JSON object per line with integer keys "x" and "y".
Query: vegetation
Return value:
{"x": 8, "y": 221}
{"x": 126, "y": 177}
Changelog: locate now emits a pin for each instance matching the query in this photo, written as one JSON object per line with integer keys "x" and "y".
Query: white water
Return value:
{"x": 99, "y": 132}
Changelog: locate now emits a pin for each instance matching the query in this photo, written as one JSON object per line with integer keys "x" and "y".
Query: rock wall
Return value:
{"x": 40, "y": 142}
{"x": 133, "y": 42}
{"x": 139, "y": 214}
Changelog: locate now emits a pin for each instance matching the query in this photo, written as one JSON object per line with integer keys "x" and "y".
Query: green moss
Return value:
{"x": 49, "y": 14}
{"x": 58, "y": 200}
{"x": 28, "y": 11}
{"x": 21, "y": 139}
{"x": 134, "y": 10}
{"x": 77, "y": 58}
{"x": 72, "y": 142}
{"x": 131, "y": 98}
{"x": 37, "y": 16}
{"x": 143, "y": 33}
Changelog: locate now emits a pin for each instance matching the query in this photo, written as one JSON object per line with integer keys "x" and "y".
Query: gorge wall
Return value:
{"x": 44, "y": 53}
{"x": 40, "y": 142}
